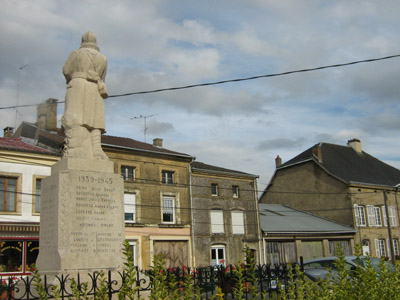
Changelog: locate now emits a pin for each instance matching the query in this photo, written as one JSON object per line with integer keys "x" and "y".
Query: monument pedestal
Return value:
{"x": 82, "y": 218}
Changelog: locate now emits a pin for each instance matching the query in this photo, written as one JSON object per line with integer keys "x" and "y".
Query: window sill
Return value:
{"x": 170, "y": 225}
{"x": 132, "y": 224}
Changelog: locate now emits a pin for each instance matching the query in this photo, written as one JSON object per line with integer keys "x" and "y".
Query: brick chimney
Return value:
{"x": 158, "y": 142}
{"x": 355, "y": 144}
{"x": 47, "y": 115}
{"x": 278, "y": 161}
{"x": 8, "y": 132}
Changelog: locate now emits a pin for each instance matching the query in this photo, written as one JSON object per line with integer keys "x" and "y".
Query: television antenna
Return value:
{"x": 145, "y": 117}
{"x": 19, "y": 79}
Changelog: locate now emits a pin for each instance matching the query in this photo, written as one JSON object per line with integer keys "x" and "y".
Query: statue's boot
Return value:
{"x": 96, "y": 144}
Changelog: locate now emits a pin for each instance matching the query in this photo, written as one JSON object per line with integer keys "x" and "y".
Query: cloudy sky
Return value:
{"x": 244, "y": 125}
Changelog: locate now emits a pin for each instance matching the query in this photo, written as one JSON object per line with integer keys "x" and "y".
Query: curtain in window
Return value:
{"x": 311, "y": 249}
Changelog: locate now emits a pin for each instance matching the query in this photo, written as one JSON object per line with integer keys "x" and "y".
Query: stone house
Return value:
{"x": 289, "y": 234}
{"x": 224, "y": 214}
{"x": 346, "y": 185}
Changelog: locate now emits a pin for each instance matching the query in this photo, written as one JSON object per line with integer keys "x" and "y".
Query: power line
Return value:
{"x": 232, "y": 80}
{"x": 255, "y": 77}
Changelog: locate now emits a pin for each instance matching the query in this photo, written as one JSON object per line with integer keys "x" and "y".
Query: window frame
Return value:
{"x": 396, "y": 247}
{"x": 168, "y": 209}
{"x": 359, "y": 211}
{"x": 217, "y": 221}
{"x": 222, "y": 261}
{"x": 214, "y": 189}
{"x": 125, "y": 174}
{"x": 35, "y": 195}
{"x": 130, "y": 208}
{"x": 238, "y": 228}
{"x": 165, "y": 179}
{"x": 5, "y": 192}
{"x": 235, "y": 191}
{"x": 380, "y": 248}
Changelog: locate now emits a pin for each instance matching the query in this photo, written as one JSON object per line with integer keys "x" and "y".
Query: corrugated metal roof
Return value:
{"x": 277, "y": 218}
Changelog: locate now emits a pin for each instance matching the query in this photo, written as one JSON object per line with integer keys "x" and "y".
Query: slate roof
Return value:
{"x": 16, "y": 144}
{"x": 109, "y": 140}
{"x": 348, "y": 165}
{"x": 55, "y": 140}
{"x": 196, "y": 165}
{"x": 277, "y": 218}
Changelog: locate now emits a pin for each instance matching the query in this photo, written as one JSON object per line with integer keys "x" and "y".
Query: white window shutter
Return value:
{"x": 357, "y": 215}
{"x": 384, "y": 215}
{"x": 217, "y": 221}
{"x": 388, "y": 247}
{"x": 371, "y": 215}
{"x": 378, "y": 253}
{"x": 392, "y": 216}
{"x": 237, "y": 222}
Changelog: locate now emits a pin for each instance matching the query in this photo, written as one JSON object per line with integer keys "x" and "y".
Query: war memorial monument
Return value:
{"x": 82, "y": 209}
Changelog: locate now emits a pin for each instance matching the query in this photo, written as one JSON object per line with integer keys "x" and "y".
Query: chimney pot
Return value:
{"x": 47, "y": 115}
{"x": 8, "y": 132}
{"x": 355, "y": 144}
{"x": 158, "y": 142}
{"x": 278, "y": 161}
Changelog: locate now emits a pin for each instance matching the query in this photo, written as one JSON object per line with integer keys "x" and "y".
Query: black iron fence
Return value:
{"x": 265, "y": 279}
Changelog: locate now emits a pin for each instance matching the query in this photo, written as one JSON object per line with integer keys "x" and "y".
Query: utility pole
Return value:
{"x": 392, "y": 257}
{"x": 145, "y": 122}
{"x": 16, "y": 106}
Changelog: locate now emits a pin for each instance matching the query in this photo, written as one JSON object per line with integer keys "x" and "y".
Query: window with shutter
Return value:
{"x": 371, "y": 215}
{"x": 130, "y": 207}
{"x": 217, "y": 221}
{"x": 237, "y": 222}
{"x": 392, "y": 216}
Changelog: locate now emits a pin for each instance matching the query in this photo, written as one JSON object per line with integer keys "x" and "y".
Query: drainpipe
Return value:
{"x": 192, "y": 212}
{"x": 389, "y": 228}
{"x": 260, "y": 246}
{"x": 396, "y": 188}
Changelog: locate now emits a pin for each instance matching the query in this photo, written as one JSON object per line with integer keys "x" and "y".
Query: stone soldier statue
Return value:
{"x": 83, "y": 120}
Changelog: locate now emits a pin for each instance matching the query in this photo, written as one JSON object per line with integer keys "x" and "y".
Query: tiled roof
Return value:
{"x": 350, "y": 166}
{"x": 16, "y": 144}
{"x": 202, "y": 166}
{"x": 277, "y": 218}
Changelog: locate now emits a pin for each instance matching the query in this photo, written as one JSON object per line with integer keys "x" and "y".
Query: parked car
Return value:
{"x": 351, "y": 262}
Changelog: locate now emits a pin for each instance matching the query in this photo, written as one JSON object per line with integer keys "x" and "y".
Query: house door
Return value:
{"x": 174, "y": 253}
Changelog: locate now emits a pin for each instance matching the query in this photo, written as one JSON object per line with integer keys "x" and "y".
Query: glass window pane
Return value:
{"x": 31, "y": 255}
{"x": 11, "y": 189}
{"x": 11, "y": 256}
{"x": 38, "y": 193}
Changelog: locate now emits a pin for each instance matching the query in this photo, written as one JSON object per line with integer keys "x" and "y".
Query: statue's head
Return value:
{"x": 89, "y": 41}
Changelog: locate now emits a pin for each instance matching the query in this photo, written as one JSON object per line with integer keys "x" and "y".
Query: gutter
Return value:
{"x": 227, "y": 173}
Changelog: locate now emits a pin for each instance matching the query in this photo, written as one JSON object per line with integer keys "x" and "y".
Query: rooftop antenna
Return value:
{"x": 16, "y": 106}
{"x": 145, "y": 122}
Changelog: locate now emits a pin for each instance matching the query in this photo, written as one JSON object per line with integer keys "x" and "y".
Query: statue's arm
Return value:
{"x": 68, "y": 67}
